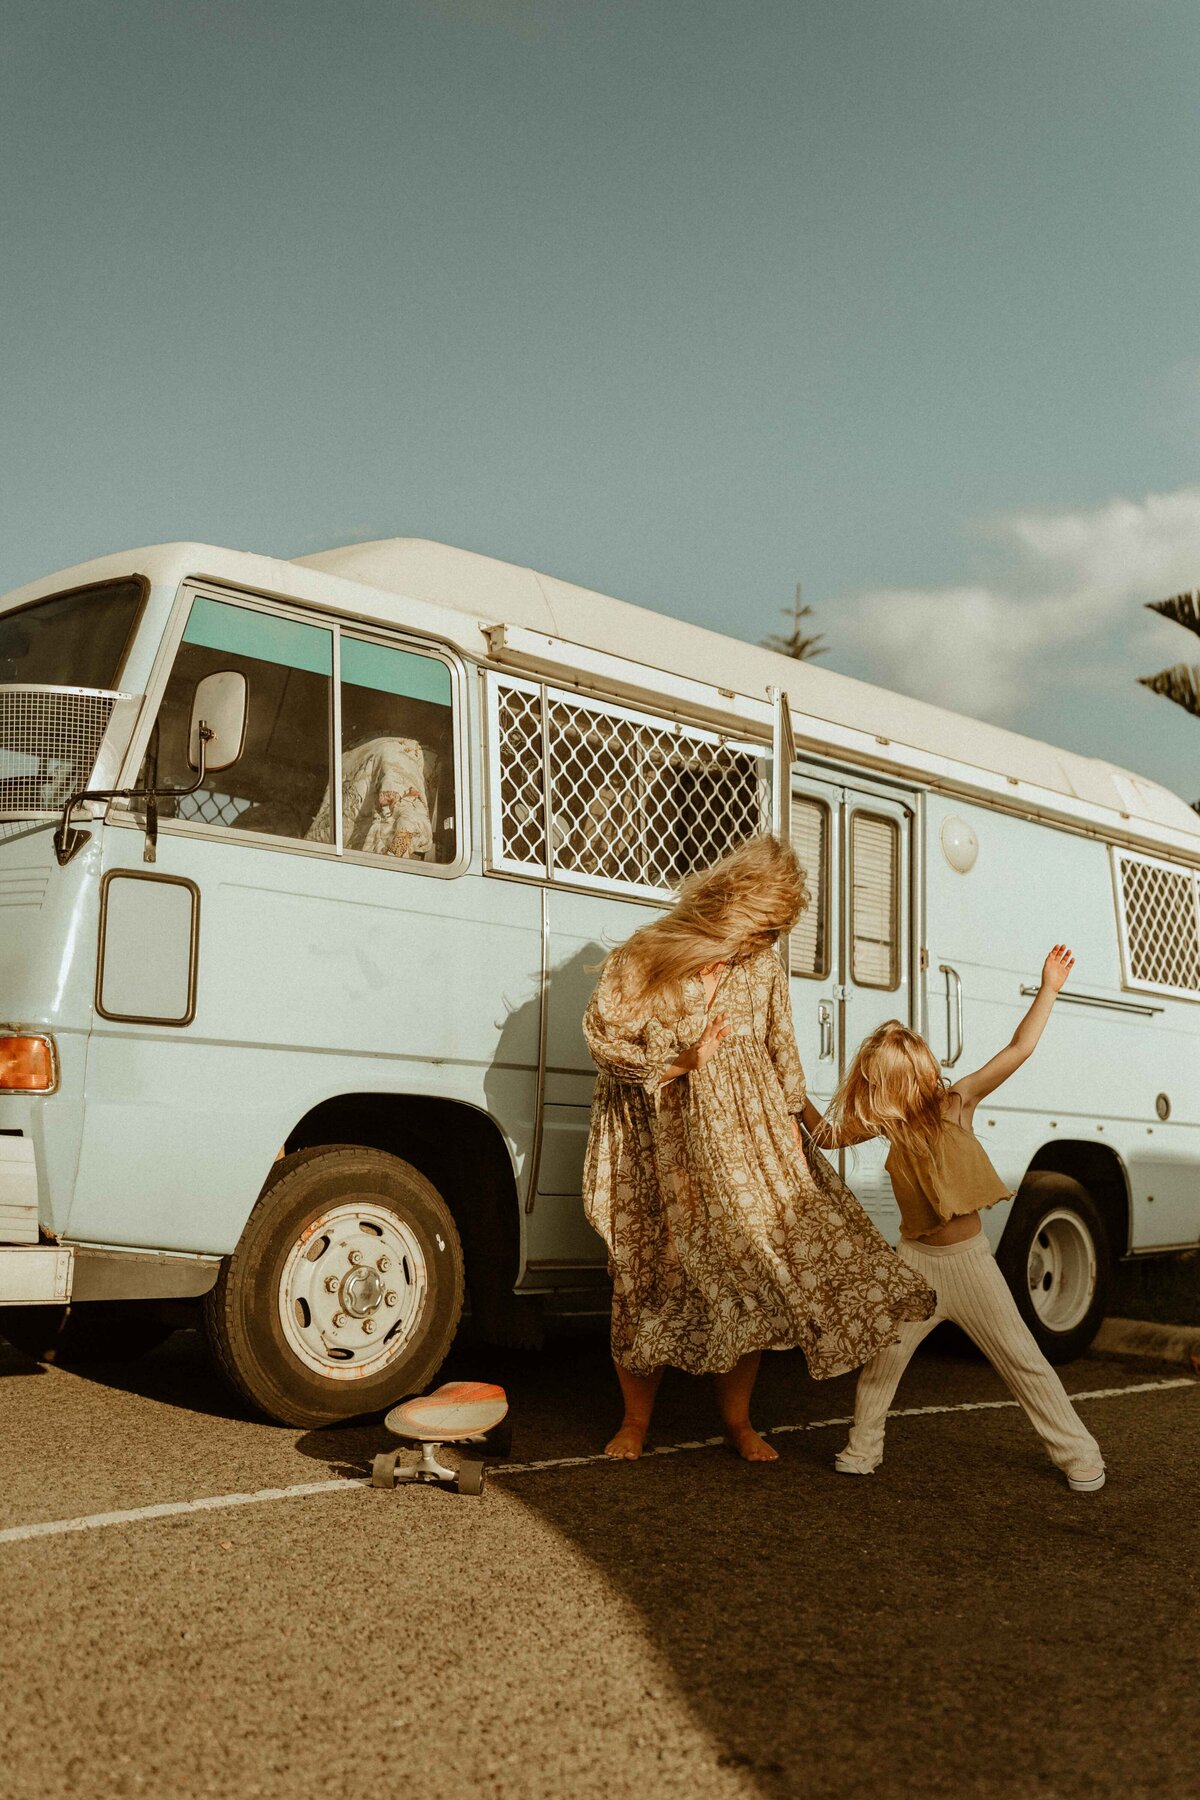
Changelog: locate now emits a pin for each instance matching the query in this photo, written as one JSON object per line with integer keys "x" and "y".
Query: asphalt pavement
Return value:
{"x": 957, "y": 1625}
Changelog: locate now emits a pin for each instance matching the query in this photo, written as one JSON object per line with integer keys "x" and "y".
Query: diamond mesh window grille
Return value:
{"x": 632, "y": 802}
{"x": 205, "y": 807}
{"x": 1161, "y": 926}
{"x": 49, "y": 742}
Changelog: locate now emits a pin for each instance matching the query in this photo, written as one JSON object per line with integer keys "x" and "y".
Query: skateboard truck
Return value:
{"x": 459, "y": 1412}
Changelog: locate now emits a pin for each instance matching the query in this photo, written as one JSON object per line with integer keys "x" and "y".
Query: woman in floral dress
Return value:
{"x": 724, "y": 1239}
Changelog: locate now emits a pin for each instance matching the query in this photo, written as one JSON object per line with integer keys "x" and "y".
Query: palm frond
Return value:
{"x": 1184, "y": 609}
{"x": 1180, "y": 684}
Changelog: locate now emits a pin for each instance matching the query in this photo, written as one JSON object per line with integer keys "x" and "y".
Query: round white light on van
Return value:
{"x": 960, "y": 846}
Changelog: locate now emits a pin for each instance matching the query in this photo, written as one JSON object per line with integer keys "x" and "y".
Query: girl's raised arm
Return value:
{"x": 973, "y": 1088}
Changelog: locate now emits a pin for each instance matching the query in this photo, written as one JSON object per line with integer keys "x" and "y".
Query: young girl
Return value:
{"x": 722, "y": 1241}
{"x": 942, "y": 1179}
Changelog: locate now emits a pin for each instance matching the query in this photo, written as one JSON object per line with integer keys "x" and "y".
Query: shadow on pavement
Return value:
{"x": 176, "y": 1373}
{"x": 959, "y": 1624}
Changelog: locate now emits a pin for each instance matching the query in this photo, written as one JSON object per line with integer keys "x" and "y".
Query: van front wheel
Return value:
{"x": 344, "y": 1292}
{"x": 1055, "y": 1257}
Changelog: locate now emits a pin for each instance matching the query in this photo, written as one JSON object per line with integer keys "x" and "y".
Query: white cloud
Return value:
{"x": 1065, "y": 603}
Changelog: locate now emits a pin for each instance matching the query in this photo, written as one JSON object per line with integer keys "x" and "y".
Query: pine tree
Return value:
{"x": 796, "y": 643}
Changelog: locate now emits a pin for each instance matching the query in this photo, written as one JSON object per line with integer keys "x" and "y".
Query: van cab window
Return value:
{"x": 394, "y": 765}
{"x": 277, "y": 784}
{"x": 397, "y": 755}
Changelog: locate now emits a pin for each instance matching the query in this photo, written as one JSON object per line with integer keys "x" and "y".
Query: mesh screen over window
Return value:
{"x": 629, "y": 800}
{"x": 809, "y": 943}
{"x": 1162, "y": 937}
{"x": 49, "y": 741}
{"x": 874, "y": 901}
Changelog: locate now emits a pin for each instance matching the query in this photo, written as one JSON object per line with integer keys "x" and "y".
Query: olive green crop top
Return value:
{"x": 956, "y": 1177}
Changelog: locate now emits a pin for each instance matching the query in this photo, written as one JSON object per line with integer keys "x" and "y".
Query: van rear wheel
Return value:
{"x": 1056, "y": 1258}
{"x": 344, "y": 1292}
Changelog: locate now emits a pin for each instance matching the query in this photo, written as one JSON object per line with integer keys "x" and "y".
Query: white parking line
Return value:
{"x": 306, "y": 1490}
{"x": 898, "y": 1412}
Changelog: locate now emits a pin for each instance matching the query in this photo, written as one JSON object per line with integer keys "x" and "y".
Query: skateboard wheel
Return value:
{"x": 383, "y": 1469}
{"x": 470, "y": 1478}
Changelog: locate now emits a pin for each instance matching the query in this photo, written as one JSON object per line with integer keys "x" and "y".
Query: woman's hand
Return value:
{"x": 1057, "y": 967}
{"x": 715, "y": 1033}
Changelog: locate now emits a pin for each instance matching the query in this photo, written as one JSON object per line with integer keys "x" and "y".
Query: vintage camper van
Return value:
{"x": 305, "y": 870}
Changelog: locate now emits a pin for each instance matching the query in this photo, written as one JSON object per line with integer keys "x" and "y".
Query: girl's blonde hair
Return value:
{"x": 892, "y": 1089}
{"x": 739, "y": 905}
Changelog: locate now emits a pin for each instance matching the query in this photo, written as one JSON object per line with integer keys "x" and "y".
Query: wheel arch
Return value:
{"x": 1098, "y": 1169}
{"x": 459, "y": 1148}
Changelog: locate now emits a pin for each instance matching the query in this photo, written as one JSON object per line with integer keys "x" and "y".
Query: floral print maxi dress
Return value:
{"x": 723, "y": 1237}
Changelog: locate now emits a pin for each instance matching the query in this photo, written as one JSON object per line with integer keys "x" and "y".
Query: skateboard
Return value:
{"x": 459, "y": 1412}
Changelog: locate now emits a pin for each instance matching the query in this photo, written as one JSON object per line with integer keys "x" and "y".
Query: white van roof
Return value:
{"x": 460, "y": 597}
{"x": 494, "y": 592}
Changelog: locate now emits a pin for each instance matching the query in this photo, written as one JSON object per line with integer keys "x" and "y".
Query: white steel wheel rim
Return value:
{"x": 352, "y": 1291}
{"x": 1062, "y": 1270}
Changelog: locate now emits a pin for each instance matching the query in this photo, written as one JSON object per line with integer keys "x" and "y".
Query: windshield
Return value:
{"x": 70, "y": 640}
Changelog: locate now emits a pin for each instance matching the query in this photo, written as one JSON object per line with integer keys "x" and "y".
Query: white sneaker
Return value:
{"x": 1086, "y": 1484}
{"x": 845, "y": 1464}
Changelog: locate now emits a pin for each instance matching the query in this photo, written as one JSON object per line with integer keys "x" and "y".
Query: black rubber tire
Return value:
{"x": 471, "y": 1476}
{"x": 1041, "y": 1193}
{"x": 93, "y": 1331}
{"x": 241, "y": 1312}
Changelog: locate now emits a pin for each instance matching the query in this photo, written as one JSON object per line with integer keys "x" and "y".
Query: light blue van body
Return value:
{"x": 244, "y": 989}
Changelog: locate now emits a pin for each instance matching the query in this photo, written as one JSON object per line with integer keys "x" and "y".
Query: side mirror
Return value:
{"x": 220, "y": 704}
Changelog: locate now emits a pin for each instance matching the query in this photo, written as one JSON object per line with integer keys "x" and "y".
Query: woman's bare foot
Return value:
{"x": 627, "y": 1445}
{"x": 749, "y": 1446}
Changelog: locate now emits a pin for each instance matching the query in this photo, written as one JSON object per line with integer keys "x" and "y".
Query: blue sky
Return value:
{"x": 683, "y": 302}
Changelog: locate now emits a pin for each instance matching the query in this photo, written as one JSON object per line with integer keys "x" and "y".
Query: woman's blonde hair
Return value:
{"x": 892, "y": 1089}
{"x": 739, "y": 905}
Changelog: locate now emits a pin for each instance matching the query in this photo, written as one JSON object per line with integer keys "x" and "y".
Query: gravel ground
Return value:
{"x": 958, "y": 1625}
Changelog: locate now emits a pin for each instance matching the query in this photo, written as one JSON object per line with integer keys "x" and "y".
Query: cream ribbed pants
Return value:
{"x": 973, "y": 1293}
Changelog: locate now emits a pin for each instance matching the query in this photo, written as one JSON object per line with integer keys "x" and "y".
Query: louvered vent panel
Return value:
{"x": 810, "y": 840}
{"x": 875, "y": 901}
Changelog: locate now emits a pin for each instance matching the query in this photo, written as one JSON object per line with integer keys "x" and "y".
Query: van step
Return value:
{"x": 34, "y": 1275}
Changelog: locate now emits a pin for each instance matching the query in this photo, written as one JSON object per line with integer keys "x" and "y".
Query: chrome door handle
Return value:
{"x": 825, "y": 1021}
{"x": 954, "y": 1038}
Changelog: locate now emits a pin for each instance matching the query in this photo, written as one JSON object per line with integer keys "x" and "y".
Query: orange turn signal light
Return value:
{"x": 28, "y": 1065}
